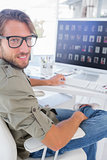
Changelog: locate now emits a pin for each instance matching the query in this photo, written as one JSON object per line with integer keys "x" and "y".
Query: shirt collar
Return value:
{"x": 3, "y": 62}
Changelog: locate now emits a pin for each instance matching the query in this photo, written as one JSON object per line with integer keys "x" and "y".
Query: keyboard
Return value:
{"x": 84, "y": 84}
{"x": 87, "y": 76}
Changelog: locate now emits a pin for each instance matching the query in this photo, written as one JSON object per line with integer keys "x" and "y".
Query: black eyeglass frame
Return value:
{"x": 23, "y": 38}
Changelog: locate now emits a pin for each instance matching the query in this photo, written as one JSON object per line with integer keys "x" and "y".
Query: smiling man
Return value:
{"x": 19, "y": 107}
{"x": 16, "y": 53}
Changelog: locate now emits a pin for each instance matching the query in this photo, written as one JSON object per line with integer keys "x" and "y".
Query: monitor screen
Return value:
{"x": 82, "y": 43}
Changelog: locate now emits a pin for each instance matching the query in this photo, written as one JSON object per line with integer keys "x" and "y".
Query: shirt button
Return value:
{"x": 34, "y": 109}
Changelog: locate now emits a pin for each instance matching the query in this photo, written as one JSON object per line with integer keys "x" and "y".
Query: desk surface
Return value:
{"x": 78, "y": 91}
{"x": 102, "y": 80}
{"x": 73, "y": 91}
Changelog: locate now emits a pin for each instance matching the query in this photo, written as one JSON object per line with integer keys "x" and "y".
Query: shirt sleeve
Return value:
{"x": 20, "y": 107}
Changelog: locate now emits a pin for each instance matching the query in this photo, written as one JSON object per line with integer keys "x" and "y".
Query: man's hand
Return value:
{"x": 59, "y": 79}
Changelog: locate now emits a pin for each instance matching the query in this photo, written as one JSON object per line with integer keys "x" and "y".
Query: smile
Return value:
{"x": 23, "y": 57}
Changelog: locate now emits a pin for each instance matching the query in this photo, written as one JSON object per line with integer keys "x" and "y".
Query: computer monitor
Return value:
{"x": 82, "y": 44}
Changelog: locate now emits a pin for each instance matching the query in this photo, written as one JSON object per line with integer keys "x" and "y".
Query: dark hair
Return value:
{"x": 11, "y": 14}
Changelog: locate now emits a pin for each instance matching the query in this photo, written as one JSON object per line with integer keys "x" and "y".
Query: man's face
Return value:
{"x": 19, "y": 57}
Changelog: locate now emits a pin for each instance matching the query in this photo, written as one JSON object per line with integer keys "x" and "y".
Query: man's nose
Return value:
{"x": 24, "y": 48}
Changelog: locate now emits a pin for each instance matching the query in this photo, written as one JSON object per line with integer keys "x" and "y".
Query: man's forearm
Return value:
{"x": 39, "y": 82}
{"x": 58, "y": 136}
{"x": 53, "y": 81}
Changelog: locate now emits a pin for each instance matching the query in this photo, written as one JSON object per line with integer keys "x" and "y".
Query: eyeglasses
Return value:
{"x": 16, "y": 41}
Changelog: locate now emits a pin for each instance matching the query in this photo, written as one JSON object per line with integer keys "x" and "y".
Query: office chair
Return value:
{"x": 8, "y": 150}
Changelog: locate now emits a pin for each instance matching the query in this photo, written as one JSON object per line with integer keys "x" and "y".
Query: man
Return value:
{"x": 19, "y": 106}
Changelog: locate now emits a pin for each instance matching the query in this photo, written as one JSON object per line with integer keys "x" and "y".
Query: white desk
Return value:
{"x": 74, "y": 91}
{"x": 78, "y": 91}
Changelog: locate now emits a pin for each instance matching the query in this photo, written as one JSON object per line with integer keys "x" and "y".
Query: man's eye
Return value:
{"x": 29, "y": 39}
{"x": 14, "y": 40}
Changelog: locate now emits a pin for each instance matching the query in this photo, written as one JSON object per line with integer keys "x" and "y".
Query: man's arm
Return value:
{"x": 55, "y": 80}
{"x": 59, "y": 135}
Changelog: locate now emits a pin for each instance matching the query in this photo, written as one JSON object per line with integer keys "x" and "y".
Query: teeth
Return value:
{"x": 23, "y": 57}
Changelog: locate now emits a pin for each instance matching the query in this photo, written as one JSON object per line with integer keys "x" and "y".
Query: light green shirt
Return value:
{"x": 19, "y": 107}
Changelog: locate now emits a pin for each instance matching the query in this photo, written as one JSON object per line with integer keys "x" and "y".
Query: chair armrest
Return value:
{"x": 33, "y": 144}
{"x": 79, "y": 134}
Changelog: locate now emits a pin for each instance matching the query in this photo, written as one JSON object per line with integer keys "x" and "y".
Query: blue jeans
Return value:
{"x": 95, "y": 128}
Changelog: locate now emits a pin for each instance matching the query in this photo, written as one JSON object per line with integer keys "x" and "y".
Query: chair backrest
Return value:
{"x": 8, "y": 149}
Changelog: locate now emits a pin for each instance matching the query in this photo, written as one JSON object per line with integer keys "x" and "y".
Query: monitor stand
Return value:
{"x": 89, "y": 76}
